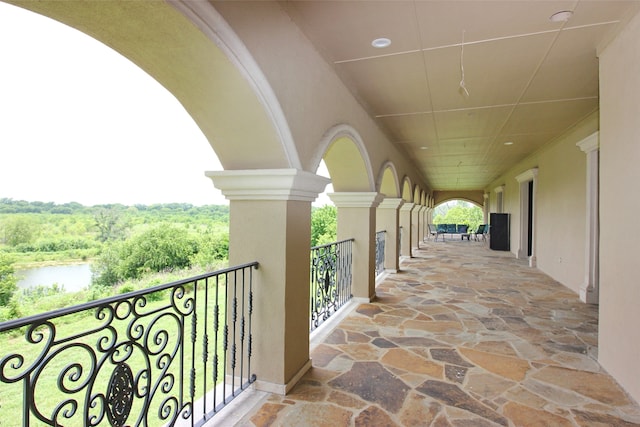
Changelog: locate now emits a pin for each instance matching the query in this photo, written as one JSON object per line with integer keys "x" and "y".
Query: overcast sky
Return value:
{"x": 79, "y": 122}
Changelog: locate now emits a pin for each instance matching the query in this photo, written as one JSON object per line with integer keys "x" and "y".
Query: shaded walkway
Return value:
{"x": 462, "y": 336}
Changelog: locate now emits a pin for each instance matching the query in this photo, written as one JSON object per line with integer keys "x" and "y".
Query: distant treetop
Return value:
{"x": 10, "y": 206}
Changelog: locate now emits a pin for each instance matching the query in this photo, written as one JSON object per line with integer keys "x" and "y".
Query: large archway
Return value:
{"x": 347, "y": 161}
{"x": 388, "y": 183}
{"x": 205, "y": 68}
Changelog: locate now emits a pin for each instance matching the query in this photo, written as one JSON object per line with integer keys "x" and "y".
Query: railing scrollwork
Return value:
{"x": 330, "y": 279}
{"x": 380, "y": 248}
{"x": 143, "y": 358}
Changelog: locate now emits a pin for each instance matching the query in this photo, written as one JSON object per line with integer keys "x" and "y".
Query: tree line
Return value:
{"x": 127, "y": 246}
{"x": 121, "y": 242}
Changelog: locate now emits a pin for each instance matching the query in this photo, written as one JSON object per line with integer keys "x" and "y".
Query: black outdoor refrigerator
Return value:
{"x": 499, "y": 231}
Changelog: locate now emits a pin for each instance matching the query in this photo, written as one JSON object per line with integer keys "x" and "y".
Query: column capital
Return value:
{"x": 407, "y": 206}
{"x": 391, "y": 203}
{"x": 268, "y": 184}
{"x": 356, "y": 199}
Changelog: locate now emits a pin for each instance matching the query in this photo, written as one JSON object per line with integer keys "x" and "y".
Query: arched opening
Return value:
{"x": 388, "y": 183}
{"x": 406, "y": 190}
{"x": 347, "y": 166}
{"x": 388, "y": 221}
{"x": 459, "y": 211}
{"x": 94, "y": 130}
{"x": 204, "y": 66}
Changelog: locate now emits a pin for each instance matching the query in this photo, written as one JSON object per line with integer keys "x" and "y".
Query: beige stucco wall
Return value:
{"x": 619, "y": 336}
{"x": 312, "y": 96}
{"x": 561, "y": 208}
{"x": 560, "y": 205}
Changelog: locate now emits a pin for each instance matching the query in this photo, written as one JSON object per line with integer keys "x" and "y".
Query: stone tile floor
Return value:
{"x": 461, "y": 336}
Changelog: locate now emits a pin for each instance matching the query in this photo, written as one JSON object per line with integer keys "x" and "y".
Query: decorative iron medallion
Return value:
{"x": 120, "y": 395}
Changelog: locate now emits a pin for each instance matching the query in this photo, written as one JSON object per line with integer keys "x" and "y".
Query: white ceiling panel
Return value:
{"x": 415, "y": 128}
{"x": 344, "y": 30}
{"x": 442, "y": 22}
{"x": 548, "y": 117}
{"x": 389, "y": 85}
{"x": 495, "y": 73}
{"x": 571, "y": 68}
{"x": 481, "y": 122}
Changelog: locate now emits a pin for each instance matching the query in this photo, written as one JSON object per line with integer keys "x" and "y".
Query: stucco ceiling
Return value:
{"x": 528, "y": 79}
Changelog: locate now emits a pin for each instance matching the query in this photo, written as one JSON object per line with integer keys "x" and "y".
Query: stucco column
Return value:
{"x": 590, "y": 289}
{"x": 432, "y": 205}
{"x": 388, "y": 219}
{"x": 405, "y": 223}
{"x": 357, "y": 220}
{"x": 415, "y": 226}
{"x": 270, "y": 222}
{"x": 485, "y": 209}
{"x": 423, "y": 222}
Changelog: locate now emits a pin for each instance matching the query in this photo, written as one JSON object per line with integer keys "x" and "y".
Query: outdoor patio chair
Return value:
{"x": 482, "y": 231}
{"x": 433, "y": 231}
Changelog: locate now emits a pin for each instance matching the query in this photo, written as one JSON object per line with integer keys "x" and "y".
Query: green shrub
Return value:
{"x": 128, "y": 287}
{"x": 323, "y": 225}
{"x": 162, "y": 248}
{"x": 8, "y": 282}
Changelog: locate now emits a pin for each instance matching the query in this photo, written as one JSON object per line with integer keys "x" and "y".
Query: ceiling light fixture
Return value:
{"x": 380, "y": 43}
{"x": 562, "y": 16}
{"x": 424, "y": 148}
{"x": 508, "y": 143}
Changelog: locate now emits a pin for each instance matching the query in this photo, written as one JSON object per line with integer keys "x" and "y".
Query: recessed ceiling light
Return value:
{"x": 562, "y": 16}
{"x": 424, "y": 148}
{"x": 381, "y": 42}
{"x": 508, "y": 143}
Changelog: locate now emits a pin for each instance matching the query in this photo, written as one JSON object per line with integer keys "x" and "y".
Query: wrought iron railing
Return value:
{"x": 174, "y": 353}
{"x": 330, "y": 279}
{"x": 381, "y": 237}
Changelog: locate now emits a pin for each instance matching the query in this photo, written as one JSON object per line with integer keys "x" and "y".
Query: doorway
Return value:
{"x": 527, "y": 247}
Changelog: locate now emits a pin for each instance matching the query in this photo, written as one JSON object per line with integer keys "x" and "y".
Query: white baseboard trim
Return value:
{"x": 283, "y": 389}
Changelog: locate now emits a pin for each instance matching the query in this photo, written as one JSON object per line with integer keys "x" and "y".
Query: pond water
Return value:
{"x": 74, "y": 277}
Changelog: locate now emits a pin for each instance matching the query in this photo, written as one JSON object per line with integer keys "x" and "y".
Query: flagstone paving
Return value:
{"x": 461, "y": 336}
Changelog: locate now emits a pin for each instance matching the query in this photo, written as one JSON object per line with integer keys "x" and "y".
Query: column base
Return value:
{"x": 283, "y": 389}
{"x": 533, "y": 261}
{"x": 588, "y": 295}
{"x": 363, "y": 300}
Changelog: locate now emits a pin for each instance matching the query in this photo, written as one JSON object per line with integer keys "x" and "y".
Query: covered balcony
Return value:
{"x": 504, "y": 104}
